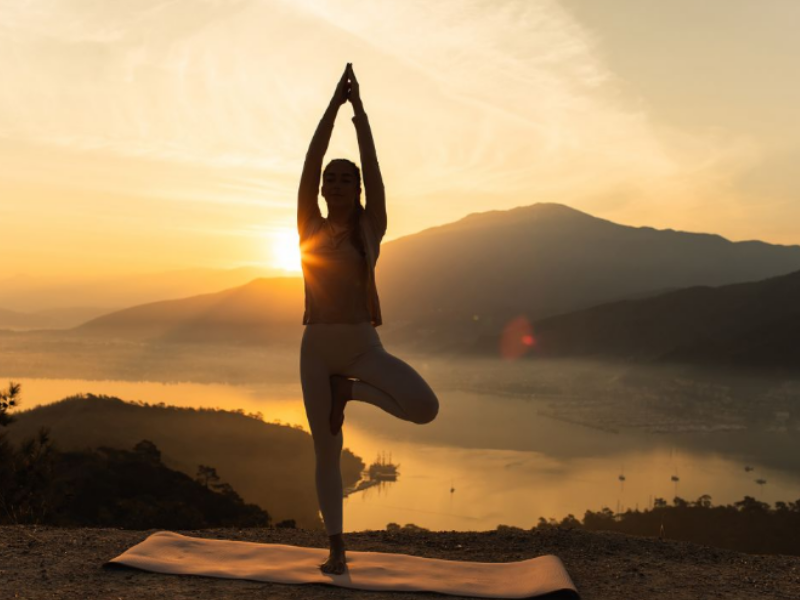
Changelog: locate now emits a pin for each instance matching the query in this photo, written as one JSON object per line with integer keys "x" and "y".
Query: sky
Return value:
{"x": 145, "y": 136}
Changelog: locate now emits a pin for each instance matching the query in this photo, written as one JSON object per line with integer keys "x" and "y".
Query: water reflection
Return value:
{"x": 507, "y": 462}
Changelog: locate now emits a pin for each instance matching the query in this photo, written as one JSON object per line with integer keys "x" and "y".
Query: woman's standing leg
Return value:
{"x": 321, "y": 350}
{"x": 315, "y": 380}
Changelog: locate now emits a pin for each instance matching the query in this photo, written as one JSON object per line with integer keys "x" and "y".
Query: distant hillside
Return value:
{"x": 56, "y": 318}
{"x": 14, "y": 320}
{"x": 753, "y": 324}
{"x": 449, "y": 285}
{"x": 267, "y": 464}
{"x": 264, "y": 310}
{"x": 24, "y": 293}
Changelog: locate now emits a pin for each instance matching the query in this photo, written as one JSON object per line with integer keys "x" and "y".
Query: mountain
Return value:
{"x": 747, "y": 324}
{"x": 10, "y": 319}
{"x": 267, "y": 464}
{"x": 548, "y": 258}
{"x": 261, "y": 311}
{"x": 55, "y": 318}
{"x": 30, "y": 294}
{"x": 449, "y": 285}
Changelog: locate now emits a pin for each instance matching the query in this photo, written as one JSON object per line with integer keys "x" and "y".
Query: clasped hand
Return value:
{"x": 347, "y": 88}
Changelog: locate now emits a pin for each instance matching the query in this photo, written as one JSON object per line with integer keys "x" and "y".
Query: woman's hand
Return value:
{"x": 355, "y": 94}
{"x": 340, "y": 96}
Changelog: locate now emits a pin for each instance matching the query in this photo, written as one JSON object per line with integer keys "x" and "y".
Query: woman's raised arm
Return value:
{"x": 373, "y": 181}
{"x": 307, "y": 195}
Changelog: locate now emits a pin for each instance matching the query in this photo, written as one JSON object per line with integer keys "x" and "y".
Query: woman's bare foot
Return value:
{"x": 341, "y": 392}
{"x": 337, "y": 562}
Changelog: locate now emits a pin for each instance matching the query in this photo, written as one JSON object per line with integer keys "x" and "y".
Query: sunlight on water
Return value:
{"x": 507, "y": 463}
{"x": 493, "y": 487}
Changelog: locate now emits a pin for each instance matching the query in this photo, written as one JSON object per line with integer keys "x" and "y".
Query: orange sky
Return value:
{"x": 145, "y": 136}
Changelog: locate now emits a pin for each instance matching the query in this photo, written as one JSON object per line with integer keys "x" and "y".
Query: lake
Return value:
{"x": 505, "y": 462}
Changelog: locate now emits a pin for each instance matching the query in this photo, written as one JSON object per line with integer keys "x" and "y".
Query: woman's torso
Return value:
{"x": 335, "y": 273}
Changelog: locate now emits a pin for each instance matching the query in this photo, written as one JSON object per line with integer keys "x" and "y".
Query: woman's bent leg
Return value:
{"x": 393, "y": 385}
{"x": 315, "y": 379}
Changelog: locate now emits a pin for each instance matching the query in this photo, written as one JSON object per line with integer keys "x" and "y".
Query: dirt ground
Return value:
{"x": 49, "y": 562}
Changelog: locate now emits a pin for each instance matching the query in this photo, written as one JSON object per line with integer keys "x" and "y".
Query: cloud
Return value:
{"x": 474, "y": 106}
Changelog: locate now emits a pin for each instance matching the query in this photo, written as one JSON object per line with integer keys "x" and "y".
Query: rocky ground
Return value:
{"x": 50, "y": 562}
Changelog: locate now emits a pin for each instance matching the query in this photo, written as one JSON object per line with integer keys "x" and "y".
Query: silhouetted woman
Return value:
{"x": 341, "y": 355}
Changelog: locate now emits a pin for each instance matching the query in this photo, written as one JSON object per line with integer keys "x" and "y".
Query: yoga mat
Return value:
{"x": 173, "y": 553}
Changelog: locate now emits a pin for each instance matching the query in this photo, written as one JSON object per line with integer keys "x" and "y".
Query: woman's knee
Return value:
{"x": 426, "y": 410}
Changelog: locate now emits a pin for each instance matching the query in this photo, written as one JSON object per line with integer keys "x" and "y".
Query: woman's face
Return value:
{"x": 340, "y": 185}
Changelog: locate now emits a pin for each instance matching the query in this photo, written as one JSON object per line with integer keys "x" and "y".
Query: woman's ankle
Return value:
{"x": 336, "y": 542}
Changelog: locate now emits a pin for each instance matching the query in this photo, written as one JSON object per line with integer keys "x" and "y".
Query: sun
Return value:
{"x": 286, "y": 251}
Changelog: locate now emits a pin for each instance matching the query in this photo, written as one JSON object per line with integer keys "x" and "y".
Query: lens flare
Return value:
{"x": 517, "y": 338}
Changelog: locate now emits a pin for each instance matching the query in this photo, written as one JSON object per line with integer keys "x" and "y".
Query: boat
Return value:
{"x": 382, "y": 469}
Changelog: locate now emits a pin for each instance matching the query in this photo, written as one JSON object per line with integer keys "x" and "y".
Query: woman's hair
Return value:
{"x": 355, "y": 233}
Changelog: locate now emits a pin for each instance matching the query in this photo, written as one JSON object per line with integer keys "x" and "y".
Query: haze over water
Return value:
{"x": 508, "y": 464}
{"x": 556, "y": 150}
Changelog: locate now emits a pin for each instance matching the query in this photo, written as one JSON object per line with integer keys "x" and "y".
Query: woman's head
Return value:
{"x": 341, "y": 184}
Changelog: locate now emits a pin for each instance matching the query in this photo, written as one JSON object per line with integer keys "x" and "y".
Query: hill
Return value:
{"x": 27, "y": 293}
{"x": 448, "y": 285}
{"x": 262, "y": 311}
{"x": 108, "y": 487}
{"x": 747, "y": 324}
{"x": 11, "y": 319}
{"x": 269, "y": 465}
{"x": 56, "y": 318}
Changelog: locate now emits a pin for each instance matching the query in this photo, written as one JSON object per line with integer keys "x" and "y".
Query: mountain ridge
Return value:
{"x": 464, "y": 280}
{"x": 700, "y": 324}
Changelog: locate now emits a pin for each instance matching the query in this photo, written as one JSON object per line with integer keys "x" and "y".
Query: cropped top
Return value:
{"x": 335, "y": 274}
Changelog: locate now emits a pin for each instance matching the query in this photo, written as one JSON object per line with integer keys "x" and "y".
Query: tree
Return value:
{"x": 148, "y": 450}
{"x": 8, "y": 399}
{"x": 751, "y": 505}
{"x": 26, "y": 475}
{"x": 207, "y": 475}
{"x": 703, "y": 501}
{"x": 286, "y": 524}
{"x": 226, "y": 489}
{"x": 571, "y": 522}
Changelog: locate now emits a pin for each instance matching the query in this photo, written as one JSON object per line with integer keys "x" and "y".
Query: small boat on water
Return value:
{"x": 382, "y": 469}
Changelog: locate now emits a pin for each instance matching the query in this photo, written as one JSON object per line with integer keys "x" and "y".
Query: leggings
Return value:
{"x": 353, "y": 350}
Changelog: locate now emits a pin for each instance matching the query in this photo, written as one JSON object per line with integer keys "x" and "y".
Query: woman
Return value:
{"x": 341, "y": 355}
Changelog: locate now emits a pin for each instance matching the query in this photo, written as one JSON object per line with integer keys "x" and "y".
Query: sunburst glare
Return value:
{"x": 286, "y": 251}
